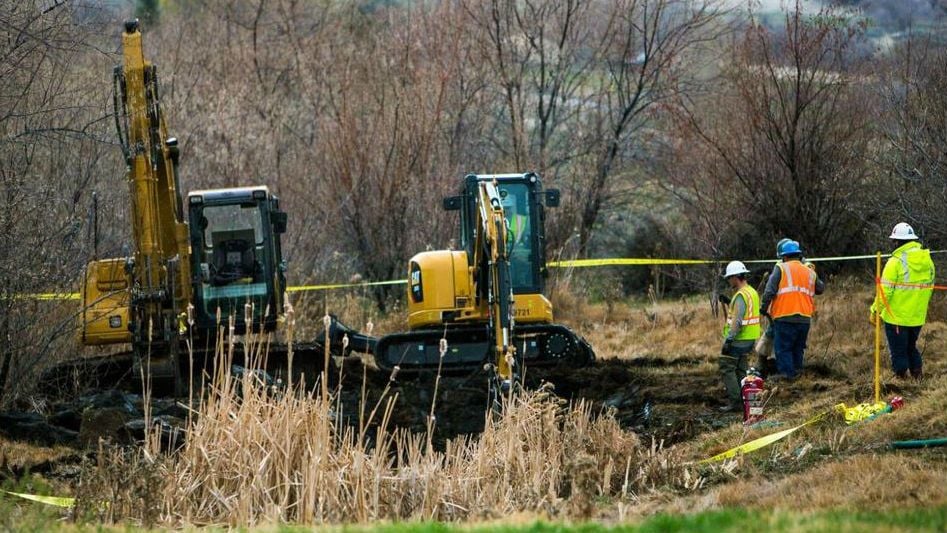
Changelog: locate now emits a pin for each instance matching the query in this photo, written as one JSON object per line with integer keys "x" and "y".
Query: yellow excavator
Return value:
{"x": 212, "y": 260}
{"x": 486, "y": 299}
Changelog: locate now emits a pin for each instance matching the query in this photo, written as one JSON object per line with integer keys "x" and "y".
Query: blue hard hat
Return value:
{"x": 790, "y": 248}
{"x": 779, "y": 245}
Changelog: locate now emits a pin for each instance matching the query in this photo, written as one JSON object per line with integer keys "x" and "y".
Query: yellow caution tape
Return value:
{"x": 630, "y": 261}
{"x": 860, "y": 412}
{"x": 66, "y": 503}
{"x": 762, "y": 442}
{"x": 303, "y": 288}
{"x": 51, "y": 296}
{"x": 625, "y": 261}
{"x": 570, "y": 263}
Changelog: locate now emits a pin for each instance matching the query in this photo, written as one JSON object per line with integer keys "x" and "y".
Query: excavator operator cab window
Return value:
{"x": 231, "y": 258}
{"x": 520, "y": 243}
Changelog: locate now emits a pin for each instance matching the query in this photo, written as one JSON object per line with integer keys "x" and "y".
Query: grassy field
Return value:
{"x": 572, "y": 469}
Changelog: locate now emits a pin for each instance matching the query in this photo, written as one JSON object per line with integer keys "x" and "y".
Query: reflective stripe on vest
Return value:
{"x": 905, "y": 267}
{"x": 792, "y": 297}
{"x": 517, "y": 226}
{"x": 750, "y": 325}
{"x": 908, "y": 284}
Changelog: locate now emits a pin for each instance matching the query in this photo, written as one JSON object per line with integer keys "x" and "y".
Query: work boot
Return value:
{"x": 917, "y": 374}
{"x": 903, "y": 374}
{"x": 731, "y": 408}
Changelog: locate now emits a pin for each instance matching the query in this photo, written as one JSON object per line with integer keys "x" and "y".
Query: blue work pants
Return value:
{"x": 902, "y": 342}
{"x": 790, "y": 346}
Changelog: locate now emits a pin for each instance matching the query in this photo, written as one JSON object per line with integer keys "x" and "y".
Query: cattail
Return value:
{"x": 289, "y": 312}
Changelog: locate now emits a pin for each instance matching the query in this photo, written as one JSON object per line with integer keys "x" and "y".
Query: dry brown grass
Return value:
{"x": 866, "y": 481}
{"x": 822, "y": 466}
{"x": 258, "y": 455}
{"x": 22, "y": 456}
{"x": 267, "y": 456}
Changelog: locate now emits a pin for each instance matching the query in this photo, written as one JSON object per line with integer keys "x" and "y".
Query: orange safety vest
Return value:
{"x": 796, "y": 291}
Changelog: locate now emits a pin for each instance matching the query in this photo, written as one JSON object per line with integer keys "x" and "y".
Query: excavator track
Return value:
{"x": 119, "y": 369}
{"x": 470, "y": 348}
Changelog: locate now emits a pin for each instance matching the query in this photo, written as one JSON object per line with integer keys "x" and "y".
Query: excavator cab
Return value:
{"x": 524, "y": 202}
{"x": 237, "y": 263}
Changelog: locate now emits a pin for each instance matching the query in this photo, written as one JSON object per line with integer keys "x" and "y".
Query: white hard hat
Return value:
{"x": 735, "y": 268}
{"x": 903, "y": 232}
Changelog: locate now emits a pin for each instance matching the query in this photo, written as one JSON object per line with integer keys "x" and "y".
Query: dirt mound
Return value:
{"x": 462, "y": 401}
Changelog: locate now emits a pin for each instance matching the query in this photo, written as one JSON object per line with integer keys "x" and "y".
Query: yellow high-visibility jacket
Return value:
{"x": 906, "y": 285}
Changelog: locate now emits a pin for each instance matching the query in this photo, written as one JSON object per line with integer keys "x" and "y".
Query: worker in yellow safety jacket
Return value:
{"x": 520, "y": 247}
{"x": 907, "y": 283}
{"x": 740, "y": 333}
{"x": 789, "y": 302}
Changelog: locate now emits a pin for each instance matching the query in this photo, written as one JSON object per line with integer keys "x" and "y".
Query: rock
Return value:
{"x": 112, "y": 399}
{"x": 105, "y": 423}
{"x": 168, "y": 407}
{"x": 34, "y": 428}
{"x": 261, "y": 375}
{"x": 171, "y": 428}
{"x": 69, "y": 417}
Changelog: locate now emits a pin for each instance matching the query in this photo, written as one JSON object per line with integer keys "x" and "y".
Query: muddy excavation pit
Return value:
{"x": 671, "y": 401}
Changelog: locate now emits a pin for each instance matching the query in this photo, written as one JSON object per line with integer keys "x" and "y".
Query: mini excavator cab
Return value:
{"x": 524, "y": 202}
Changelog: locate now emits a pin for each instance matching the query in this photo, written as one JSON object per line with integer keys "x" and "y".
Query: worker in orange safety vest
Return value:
{"x": 789, "y": 302}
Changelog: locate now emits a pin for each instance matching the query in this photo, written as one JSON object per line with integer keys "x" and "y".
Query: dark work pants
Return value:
{"x": 733, "y": 369}
{"x": 902, "y": 342}
{"x": 790, "y": 346}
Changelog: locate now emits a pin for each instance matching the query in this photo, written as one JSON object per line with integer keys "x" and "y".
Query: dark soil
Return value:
{"x": 669, "y": 401}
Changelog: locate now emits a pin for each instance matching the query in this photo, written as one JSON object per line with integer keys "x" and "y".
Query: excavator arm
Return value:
{"x": 158, "y": 229}
{"x": 491, "y": 263}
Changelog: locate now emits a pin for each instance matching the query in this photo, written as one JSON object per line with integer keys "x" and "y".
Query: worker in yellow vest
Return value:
{"x": 740, "y": 333}
{"x": 789, "y": 302}
{"x": 519, "y": 242}
{"x": 907, "y": 283}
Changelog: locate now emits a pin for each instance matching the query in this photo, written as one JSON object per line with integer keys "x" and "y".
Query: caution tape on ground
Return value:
{"x": 762, "y": 442}
{"x": 862, "y": 412}
{"x": 66, "y": 503}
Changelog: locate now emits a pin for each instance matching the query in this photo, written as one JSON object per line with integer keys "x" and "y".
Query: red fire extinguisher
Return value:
{"x": 751, "y": 388}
